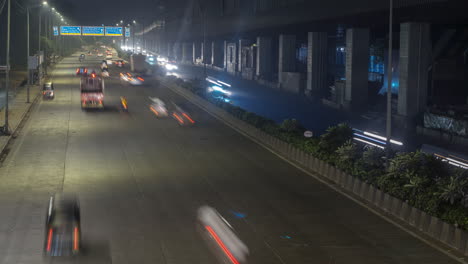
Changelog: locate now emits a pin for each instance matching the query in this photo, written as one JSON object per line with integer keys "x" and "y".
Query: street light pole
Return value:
{"x": 6, "y": 129}
{"x": 389, "y": 82}
{"x": 27, "y": 47}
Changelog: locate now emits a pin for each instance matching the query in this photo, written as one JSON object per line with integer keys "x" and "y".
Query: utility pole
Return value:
{"x": 27, "y": 47}
{"x": 389, "y": 82}
{"x": 6, "y": 129}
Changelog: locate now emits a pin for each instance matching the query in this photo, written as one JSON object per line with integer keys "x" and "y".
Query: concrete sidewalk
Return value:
{"x": 18, "y": 108}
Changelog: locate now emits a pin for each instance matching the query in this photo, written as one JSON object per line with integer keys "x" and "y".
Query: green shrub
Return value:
{"x": 453, "y": 189}
{"x": 292, "y": 125}
{"x": 347, "y": 156}
{"x": 455, "y": 214}
{"x": 335, "y": 137}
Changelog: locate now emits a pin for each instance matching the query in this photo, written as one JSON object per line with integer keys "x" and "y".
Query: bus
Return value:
{"x": 92, "y": 92}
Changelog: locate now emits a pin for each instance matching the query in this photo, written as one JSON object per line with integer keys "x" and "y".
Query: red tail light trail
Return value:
{"x": 49, "y": 239}
{"x": 222, "y": 245}
{"x": 75, "y": 239}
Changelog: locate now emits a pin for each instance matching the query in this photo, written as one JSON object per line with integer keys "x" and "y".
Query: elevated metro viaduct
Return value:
{"x": 311, "y": 46}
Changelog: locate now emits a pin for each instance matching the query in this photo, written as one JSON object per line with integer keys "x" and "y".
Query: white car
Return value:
{"x": 125, "y": 76}
{"x": 109, "y": 61}
{"x": 100, "y": 54}
{"x": 136, "y": 80}
{"x": 158, "y": 107}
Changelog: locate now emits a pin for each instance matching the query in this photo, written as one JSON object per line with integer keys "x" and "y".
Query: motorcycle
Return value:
{"x": 123, "y": 104}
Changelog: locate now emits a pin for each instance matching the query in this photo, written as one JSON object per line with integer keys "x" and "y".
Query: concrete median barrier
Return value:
{"x": 424, "y": 221}
{"x": 332, "y": 174}
{"x": 342, "y": 179}
{"x": 363, "y": 190}
{"x": 435, "y": 227}
{"x": 356, "y": 186}
{"x": 460, "y": 239}
{"x": 370, "y": 194}
{"x": 415, "y": 214}
{"x": 349, "y": 182}
{"x": 405, "y": 211}
{"x": 396, "y": 206}
{"x": 448, "y": 234}
{"x": 387, "y": 202}
{"x": 378, "y": 197}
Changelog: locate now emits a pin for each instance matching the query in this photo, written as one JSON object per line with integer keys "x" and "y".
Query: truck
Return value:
{"x": 92, "y": 92}
{"x": 138, "y": 63}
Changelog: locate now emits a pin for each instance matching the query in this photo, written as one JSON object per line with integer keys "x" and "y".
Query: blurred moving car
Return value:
{"x": 125, "y": 76}
{"x": 132, "y": 79}
{"x": 105, "y": 72}
{"x": 82, "y": 71}
{"x": 100, "y": 54}
{"x": 181, "y": 116}
{"x": 48, "y": 90}
{"x": 104, "y": 65}
{"x": 62, "y": 227}
{"x": 158, "y": 107}
{"x": 218, "y": 89}
{"x": 120, "y": 63}
{"x": 136, "y": 80}
{"x": 220, "y": 237}
{"x": 81, "y": 58}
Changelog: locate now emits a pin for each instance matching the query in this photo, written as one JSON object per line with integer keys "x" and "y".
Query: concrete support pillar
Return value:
{"x": 196, "y": 52}
{"x": 178, "y": 51}
{"x": 317, "y": 62}
{"x": 415, "y": 57}
{"x": 206, "y": 52}
{"x": 287, "y": 55}
{"x": 217, "y": 53}
{"x": 242, "y": 43}
{"x": 170, "y": 49}
{"x": 231, "y": 57}
{"x": 225, "y": 48}
{"x": 357, "y": 67}
{"x": 264, "y": 58}
{"x": 187, "y": 52}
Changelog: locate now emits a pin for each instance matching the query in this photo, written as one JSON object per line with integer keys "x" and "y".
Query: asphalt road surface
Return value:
{"x": 141, "y": 179}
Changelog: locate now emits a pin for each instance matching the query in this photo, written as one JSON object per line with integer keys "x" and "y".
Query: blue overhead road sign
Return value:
{"x": 93, "y": 31}
{"x": 56, "y": 31}
{"x": 70, "y": 30}
{"x": 127, "y": 32}
{"x": 113, "y": 31}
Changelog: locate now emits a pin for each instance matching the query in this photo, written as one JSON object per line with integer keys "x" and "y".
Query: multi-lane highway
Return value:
{"x": 141, "y": 179}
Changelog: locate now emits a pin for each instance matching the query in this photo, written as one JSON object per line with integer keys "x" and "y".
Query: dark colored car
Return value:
{"x": 48, "y": 91}
{"x": 62, "y": 228}
{"x": 82, "y": 71}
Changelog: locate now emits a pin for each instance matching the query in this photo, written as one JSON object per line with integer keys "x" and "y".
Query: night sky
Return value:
{"x": 108, "y": 12}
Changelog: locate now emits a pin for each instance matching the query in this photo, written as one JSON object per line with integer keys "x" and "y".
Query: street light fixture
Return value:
{"x": 45, "y": 3}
